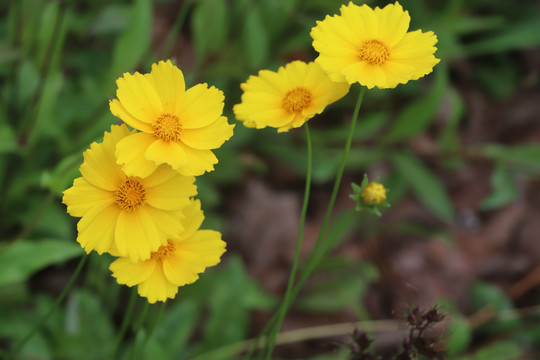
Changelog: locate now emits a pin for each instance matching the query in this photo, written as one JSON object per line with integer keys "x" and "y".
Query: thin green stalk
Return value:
{"x": 259, "y": 337}
{"x": 153, "y": 326}
{"x": 59, "y": 299}
{"x": 176, "y": 29}
{"x": 137, "y": 328}
{"x": 312, "y": 263}
{"x": 317, "y": 255}
{"x": 339, "y": 174}
{"x": 125, "y": 321}
{"x": 283, "y": 309}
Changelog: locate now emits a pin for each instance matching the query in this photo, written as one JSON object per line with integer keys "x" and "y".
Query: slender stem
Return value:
{"x": 339, "y": 174}
{"x": 283, "y": 309}
{"x": 153, "y": 326}
{"x": 125, "y": 321}
{"x": 269, "y": 325}
{"x": 176, "y": 29}
{"x": 137, "y": 328}
{"x": 317, "y": 253}
{"x": 312, "y": 263}
{"x": 59, "y": 299}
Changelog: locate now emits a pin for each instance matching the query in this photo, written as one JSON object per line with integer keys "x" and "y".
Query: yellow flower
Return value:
{"x": 178, "y": 127}
{"x": 287, "y": 98}
{"x": 373, "y": 194}
{"x": 373, "y": 47}
{"x": 176, "y": 264}
{"x": 134, "y": 215}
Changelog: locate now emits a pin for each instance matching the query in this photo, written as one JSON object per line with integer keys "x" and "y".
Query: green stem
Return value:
{"x": 137, "y": 328}
{"x": 283, "y": 309}
{"x": 153, "y": 326}
{"x": 125, "y": 321}
{"x": 59, "y": 299}
{"x": 339, "y": 174}
{"x": 317, "y": 253}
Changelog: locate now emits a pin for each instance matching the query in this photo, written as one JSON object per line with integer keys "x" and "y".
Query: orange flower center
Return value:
{"x": 164, "y": 251}
{"x": 130, "y": 194}
{"x": 374, "y": 52}
{"x": 297, "y": 100}
{"x": 167, "y": 127}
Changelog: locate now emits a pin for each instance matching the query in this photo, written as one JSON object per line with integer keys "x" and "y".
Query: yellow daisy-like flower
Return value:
{"x": 132, "y": 215}
{"x": 176, "y": 264}
{"x": 373, "y": 194}
{"x": 178, "y": 127}
{"x": 287, "y": 98}
{"x": 373, "y": 47}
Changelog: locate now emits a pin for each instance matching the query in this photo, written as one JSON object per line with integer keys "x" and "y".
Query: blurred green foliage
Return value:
{"x": 58, "y": 65}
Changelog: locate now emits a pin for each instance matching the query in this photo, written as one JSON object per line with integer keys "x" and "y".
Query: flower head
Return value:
{"x": 373, "y": 194}
{"x": 287, "y": 98}
{"x": 177, "y": 263}
{"x": 370, "y": 196}
{"x": 131, "y": 214}
{"x": 178, "y": 127}
{"x": 372, "y": 46}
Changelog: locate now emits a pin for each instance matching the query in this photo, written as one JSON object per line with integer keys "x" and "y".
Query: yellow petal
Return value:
{"x": 393, "y": 23}
{"x": 130, "y": 273}
{"x": 136, "y": 235}
{"x": 162, "y": 152}
{"x": 168, "y": 81}
{"x": 180, "y": 271}
{"x": 82, "y": 197}
{"x": 157, "y": 287}
{"x": 96, "y": 228}
{"x": 201, "y": 106}
{"x": 169, "y": 223}
{"x": 99, "y": 167}
{"x": 172, "y": 194}
{"x": 193, "y": 219}
{"x": 199, "y": 161}
{"x": 138, "y": 97}
{"x": 130, "y": 153}
{"x": 162, "y": 174}
{"x": 209, "y": 137}
{"x": 416, "y": 49}
{"x": 119, "y": 111}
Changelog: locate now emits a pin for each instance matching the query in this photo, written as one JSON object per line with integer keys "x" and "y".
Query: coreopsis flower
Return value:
{"x": 177, "y": 127}
{"x": 373, "y": 194}
{"x": 175, "y": 264}
{"x": 287, "y": 98}
{"x": 370, "y": 196}
{"x": 373, "y": 47}
{"x": 134, "y": 215}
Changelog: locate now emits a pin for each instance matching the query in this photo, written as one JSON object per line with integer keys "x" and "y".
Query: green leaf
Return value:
{"x": 521, "y": 155}
{"x": 49, "y": 19}
{"x": 459, "y": 335}
{"x": 500, "y": 350}
{"x": 525, "y": 34}
{"x": 176, "y": 328}
{"x": 346, "y": 286}
{"x": 425, "y": 185}
{"x": 62, "y": 176}
{"x": 504, "y": 189}
{"x": 8, "y": 140}
{"x": 132, "y": 45}
{"x": 209, "y": 27}
{"x": 485, "y": 294}
{"x": 23, "y": 258}
{"x": 417, "y": 116}
{"x": 449, "y": 140}
{"x": 255, "y": 39}
{"x": 27, "y": 82}
{"x": 46, "y": 117}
